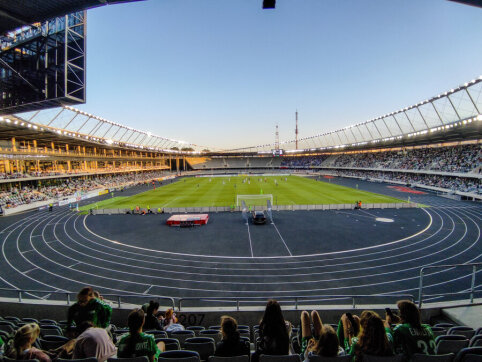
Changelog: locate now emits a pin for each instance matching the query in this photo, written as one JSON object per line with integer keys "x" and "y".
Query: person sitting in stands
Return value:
{"x": 170, "y": 322}
{"x": 372, "y": 338}
{"x": 273, "y": 333}
{"x": 22, "y": 344}
{"x": 135, "y": 343}
{"x": 231, "y": 344}
{"x": 152, "y": 322}
{"x": 322, "y": 341}
{"x": 88, "y": 308}
{"x": 411, "y": 336}
{"x": 93, "y": 342}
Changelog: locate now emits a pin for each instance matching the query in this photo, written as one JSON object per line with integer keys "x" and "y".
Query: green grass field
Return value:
{"x": 222, "y": 191}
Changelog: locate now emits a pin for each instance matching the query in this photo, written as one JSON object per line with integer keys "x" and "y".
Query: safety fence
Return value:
{"x": 207, "y": 209}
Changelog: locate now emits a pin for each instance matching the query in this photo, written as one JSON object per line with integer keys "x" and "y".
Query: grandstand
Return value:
{"x": 335, "y": 259}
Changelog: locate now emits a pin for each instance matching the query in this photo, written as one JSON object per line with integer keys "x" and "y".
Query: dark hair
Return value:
{"x": 273, "y": 326}
{"x": 152, "y": 307}
{"x": 328, "y": 344}
{"x": 88, "y": 291}
{"x": 409, "y": 313}
{"x": 373, "y": 338}
{"x": 229, "y": 328}
{"x": 135, "y": 320}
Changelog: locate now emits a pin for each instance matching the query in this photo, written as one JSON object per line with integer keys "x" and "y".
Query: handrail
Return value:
{"x": 118, "y": 297}
{"x": 295, "y": 299}
{"x": 472, "y": 287}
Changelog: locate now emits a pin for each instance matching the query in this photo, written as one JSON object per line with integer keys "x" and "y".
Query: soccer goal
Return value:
{"x": 254, "y": 200}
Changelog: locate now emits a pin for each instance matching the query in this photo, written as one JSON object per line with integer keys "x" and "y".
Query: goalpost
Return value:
{"x": 254, "y": 200}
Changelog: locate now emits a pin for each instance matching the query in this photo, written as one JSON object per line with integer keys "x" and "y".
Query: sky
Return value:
{"x": 224, "y": 73}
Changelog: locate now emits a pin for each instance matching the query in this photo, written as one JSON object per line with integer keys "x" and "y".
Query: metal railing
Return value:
{"x": 113, "y": 298}
{"x": 295, "y": 300}
{"x": 471, "y": 291}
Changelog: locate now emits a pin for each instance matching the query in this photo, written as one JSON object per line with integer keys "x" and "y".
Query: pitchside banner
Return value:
{"x": 103, "y": 192}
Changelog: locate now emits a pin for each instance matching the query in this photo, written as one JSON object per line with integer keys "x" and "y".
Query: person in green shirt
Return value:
{"x": 136, "y": 343}
{"x": 368, "y": 334}
{"x": 411, "y": 336}
{"x": 89, "y": 308}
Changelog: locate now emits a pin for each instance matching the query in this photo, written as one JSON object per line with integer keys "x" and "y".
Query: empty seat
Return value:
{"x": 450, "y": 343}
{"x": 471, "y": 354}
{"x": 180, "y": 356}
{"x": 211, "y": 333}
{"x": 478, "y": 331}
{"x": 279, "y": 358}
{"x": 315, "y": 358}
{"x": 132, "y": 359}
{"x": 30, "y": 320}
{"x": 476, "y": 341}
{"x": 242, "y": 326}
{"x": 203, "y": 345}
{"x": 215, "y": 327}
{"x": 52, "y": 342}
{"x": 418, "y": 357}
{"x": 370, "y": 358}
{"x": 50, "y": 330}
{"x": 447, "y": 326}
{"x": 157, "y": 334}
{"x": 7, "y": 327}
{"x": 14, "y": 320}
{"x": 171, "y": 344}
{"x": 462, "y": 330}
{"x": 181, "y": 336}
{"x": 229, "y": 359}
{"x": 196, "y": 329}
{"x": 88, "y": 359}
{"x": 48, "y": 321}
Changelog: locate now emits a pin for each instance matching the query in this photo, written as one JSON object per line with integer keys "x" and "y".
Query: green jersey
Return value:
{"x": 95, "y": 311}
{"x": 409, "y": 340}
{"x": 137, "y": 346}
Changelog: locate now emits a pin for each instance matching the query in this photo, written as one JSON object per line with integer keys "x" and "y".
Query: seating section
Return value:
{"x": 197, "y": 344}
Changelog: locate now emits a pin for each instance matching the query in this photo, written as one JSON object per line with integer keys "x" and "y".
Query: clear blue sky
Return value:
{"x": 223, "y": 73}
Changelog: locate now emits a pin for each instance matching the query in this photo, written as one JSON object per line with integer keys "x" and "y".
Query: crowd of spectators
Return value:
{"x": 65, "y": 187}
{"x": 303, "y": 161}
{"x": 368, "y": 334}
{"x": 456, "y": 159}
{"x": 462, "y": 184}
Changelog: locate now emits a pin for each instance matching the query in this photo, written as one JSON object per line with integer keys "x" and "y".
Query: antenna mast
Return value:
{"x": 276, "y": 142}
{"x": 296, "y": 129}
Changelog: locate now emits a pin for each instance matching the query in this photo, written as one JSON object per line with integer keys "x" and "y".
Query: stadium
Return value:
{"x": 344, "y": 220}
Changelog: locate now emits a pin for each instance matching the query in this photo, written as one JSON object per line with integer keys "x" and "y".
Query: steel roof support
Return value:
{"x": 410, "y": 122}
{"x": 53, "y": 119}
{"x": 376, "y": 127}
{"x": 83, "y": 124}
{"x": 455, "y": 109}
{"x": 475, "y": 105}
{"x": 388, "y": 128}
{"x": 438, "y": 115}
{"x": 133, "y": 133}
{"x": 118, "y": 129}
{"x": 76, "y": 114}
{"x": 91, "y": 132}
{"x": 341, "y": 142}
{"x": 423, "y": 118}
{"x": 371, "y": 136}
{"x": 107, "y": 131}
{"x": 400, "y": 128}
{"x": 353, "y": 133}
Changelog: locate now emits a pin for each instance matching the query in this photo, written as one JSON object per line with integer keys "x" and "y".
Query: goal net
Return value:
{"x": 254, "y": 200}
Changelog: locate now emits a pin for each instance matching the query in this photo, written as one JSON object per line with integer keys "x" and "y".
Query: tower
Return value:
{"x": 296, "y": 129}
{"x": 276, "y": 142}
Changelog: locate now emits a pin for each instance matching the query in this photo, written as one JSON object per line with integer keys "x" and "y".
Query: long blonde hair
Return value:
{"x": 25, "y": 335}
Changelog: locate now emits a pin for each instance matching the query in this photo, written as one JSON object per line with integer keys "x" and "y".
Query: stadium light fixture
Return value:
{"x": 479, "y": 117}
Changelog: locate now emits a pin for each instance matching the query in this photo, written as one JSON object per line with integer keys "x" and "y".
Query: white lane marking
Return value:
{"x": 283, "y": 240}
{"x": 250, "y": 242}
{"x": 261, "y": 257}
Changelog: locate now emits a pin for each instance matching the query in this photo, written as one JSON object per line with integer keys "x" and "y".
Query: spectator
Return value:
{"x": 93, "y": 342}
{"x": 136, "y": 343}
{"x": 152, "y": 321}
{"x": 231, "y": 344}
{"x": 411, "y": 336}
{"x": 22, "y": 344}
{"x": 372, "y": 338}
{"x": 322, "y": 341}
{"x": 88, "y": 308}
{"x": 170, "y": 322}
{"x": 273, "y": 333}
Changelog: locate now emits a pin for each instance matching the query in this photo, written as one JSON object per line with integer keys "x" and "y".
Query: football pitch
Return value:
{"x": 223, "y": 191}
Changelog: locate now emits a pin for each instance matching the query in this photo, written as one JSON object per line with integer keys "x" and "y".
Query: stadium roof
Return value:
{"x": 17, "y": 13}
